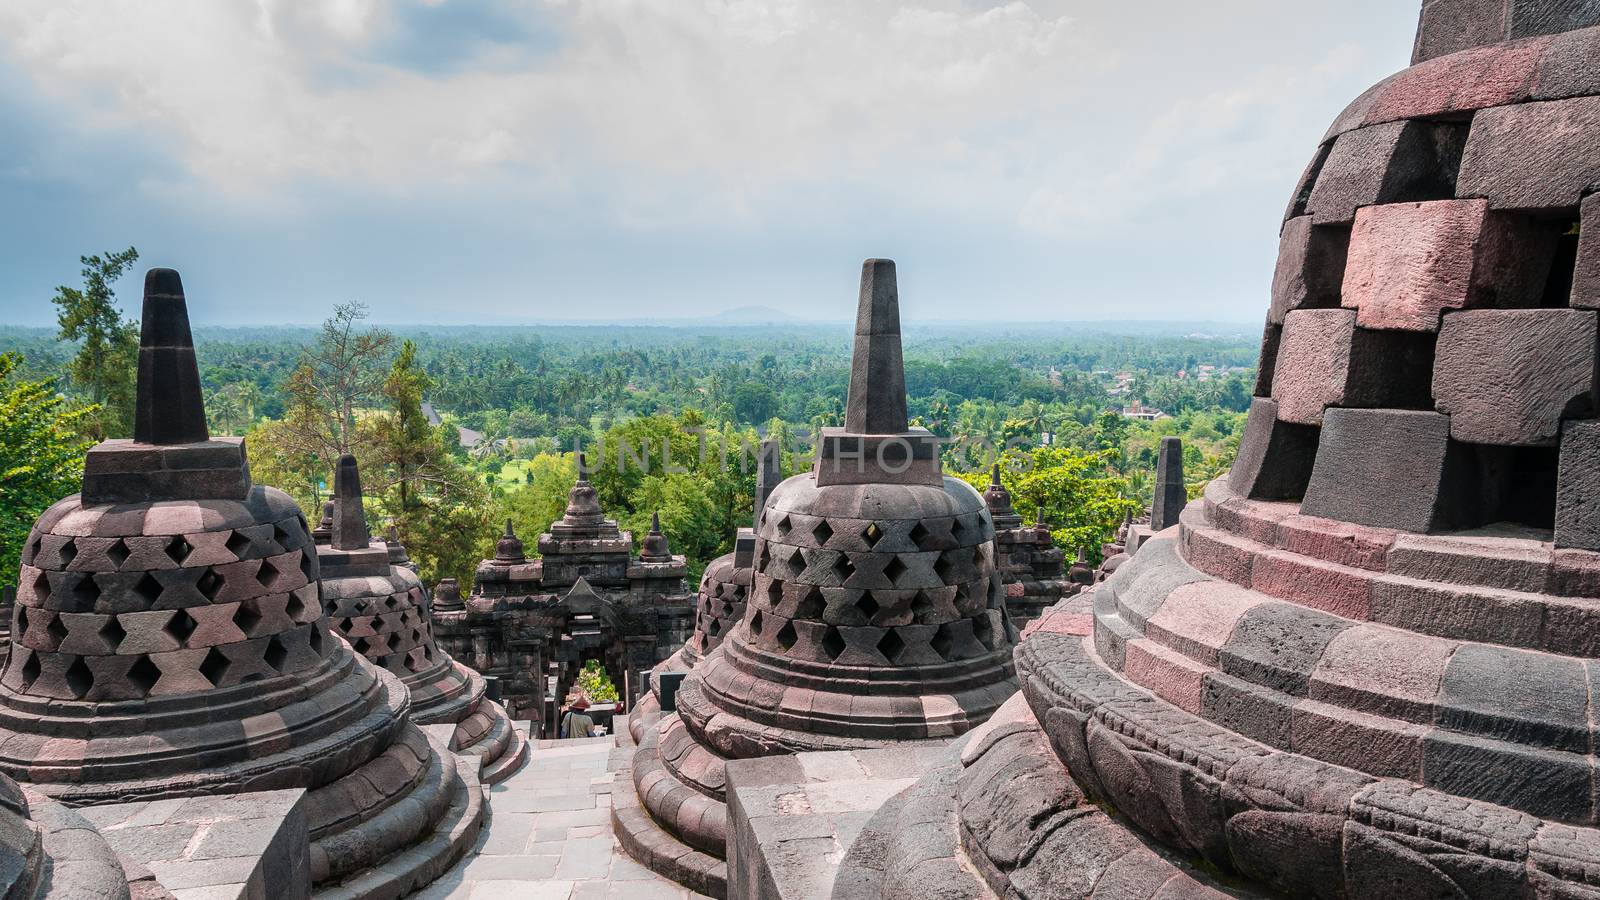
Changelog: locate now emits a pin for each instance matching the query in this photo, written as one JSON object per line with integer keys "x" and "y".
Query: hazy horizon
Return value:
{"x": 539, "y": 161}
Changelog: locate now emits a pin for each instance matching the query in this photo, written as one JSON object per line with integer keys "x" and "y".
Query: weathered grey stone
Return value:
{"x": 1451, "y": 25}
{"x": 1171, "y": 494}
{"x": 1538, "y": 157}
{"x": 1275, "y": 457}
{"x": 1586, "y": 275}
{"x": 1516, "y": 695}
{"x": 1393, "y": 469}
{"x": 1578, "y": 486}
{"x": 1511, "y": 376}
{"x": 1390, "y": 163}
{"x": 1310, "y": 269}
{"x": 1326, "y": 360}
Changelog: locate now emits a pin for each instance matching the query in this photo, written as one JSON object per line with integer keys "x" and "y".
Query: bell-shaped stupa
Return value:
{"x": 875, "y": 615}
{"x": 169, "y": 642}
{"x": 381, "y": 607}
{"x": 1361, "y": 665}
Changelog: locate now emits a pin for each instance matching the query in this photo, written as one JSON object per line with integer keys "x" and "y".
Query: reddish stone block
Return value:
{"x": 1389, "y": 163}
{"x": 1338, "y": 542}
{"x": 1409, "y": 262}
{"x": 1310, "y": 269}
{"x": 1198, "y": 618}
{"x": 1383, "y": 671}
{"x": 1533, "y": 156}
{"x": 1586, "y": 277}
{"x": 1330, "y": 587}
{"x": 1313, "y": 364}
{"x": 1355, "y": 115}
{"x": 1172, "y": 676}
{"x": 1461, "y": 82}
{"x": 1510, "y": 376}
{"x": 1325, "y": 360}
{"x": 1219, "y": 554}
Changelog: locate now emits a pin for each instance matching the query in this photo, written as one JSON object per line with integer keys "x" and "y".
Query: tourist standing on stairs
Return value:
{"x": 576, "y": 723}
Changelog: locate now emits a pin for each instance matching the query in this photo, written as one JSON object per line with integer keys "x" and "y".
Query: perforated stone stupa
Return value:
{"x": 1361, "y": 666}
{"x": 169, "y": 642}
{"x": 378, "y": 604}
{"x": 875, "y": 615}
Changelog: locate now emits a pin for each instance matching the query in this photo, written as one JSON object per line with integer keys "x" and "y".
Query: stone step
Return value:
{"x": 411, "y": 870}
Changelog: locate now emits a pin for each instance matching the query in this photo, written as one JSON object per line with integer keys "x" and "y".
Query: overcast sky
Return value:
{"x": 533, "y": 160}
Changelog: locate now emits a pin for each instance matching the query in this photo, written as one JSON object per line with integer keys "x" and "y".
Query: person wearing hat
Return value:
{"x": 576, "y": 723}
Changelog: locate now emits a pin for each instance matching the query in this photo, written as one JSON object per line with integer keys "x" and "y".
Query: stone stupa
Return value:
{"x": 1362, "y": 664}
{"x": 374, "y": 600}
{"x": 876, "y": 615}
{"x": 169, "y": 642}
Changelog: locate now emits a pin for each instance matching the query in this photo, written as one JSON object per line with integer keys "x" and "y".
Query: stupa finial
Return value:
{"x": 877, "y": 398}
{"x": 169, "y": 408}
{"x": 349, "y": 516}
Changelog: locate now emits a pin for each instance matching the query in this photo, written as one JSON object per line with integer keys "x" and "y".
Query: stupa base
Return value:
{"x": 652, "y": 844}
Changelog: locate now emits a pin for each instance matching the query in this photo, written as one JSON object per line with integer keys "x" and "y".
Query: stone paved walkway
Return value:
{"x": 549, "y": 836}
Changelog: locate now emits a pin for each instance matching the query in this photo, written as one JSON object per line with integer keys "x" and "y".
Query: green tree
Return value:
{"x": 596, "y": 684}
{"x": 1082, "y": 499}
{"x": 41, "y": 457}
{"x": 339, "y": 376}
{"x": 105, "y": 367}
{"x": 439, "y": 505}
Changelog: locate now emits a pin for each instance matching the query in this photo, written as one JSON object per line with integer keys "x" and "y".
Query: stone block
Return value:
{"x": 1382, "y": 671}
{"x": 1567, "y": 67}
{"x": 1325, "y": 360}
{"x": 1545, "y": 783}
{"x": 1578, "y": 486}
{"x": 1410, "y": 262}
{"x": 1461, "y": 83}
{"x": 1255, "y": 712}
{"x": 1394, "y": 469}
{"x": 1510, "y": 376}
{"x": 1448, "y": 26}
{"x": 1200, "y": 618}
{"x": 1268, "y": 360}
{"x": 1534, "y": 17}
{"x": 1455, "y": 611}
{"x": 1364, "y": 742}
{"x": 1534, "y": 156}
{"x": 1310, "y": 269}
{"x": 1330, "y": 587}
{"x": 1275, "y": 457}
{"x": 1516, "y": 695}
{"x": 1395, "y": 162}
{"x": 1586, "y": 275}
{"x": 1279, "y": 645}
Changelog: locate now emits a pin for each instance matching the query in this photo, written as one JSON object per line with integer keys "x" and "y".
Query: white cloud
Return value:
{"x": 1035, "y": 153}
{"x": 738, "y": 94}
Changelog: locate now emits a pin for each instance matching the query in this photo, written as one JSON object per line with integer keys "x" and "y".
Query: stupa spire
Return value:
{"x": 508, "y": 551}
{"x": 655, "y": 546}
{"x": 877, "y": 400}
{"x": 169, "y": 408}
{"x": 349, "y": 516}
